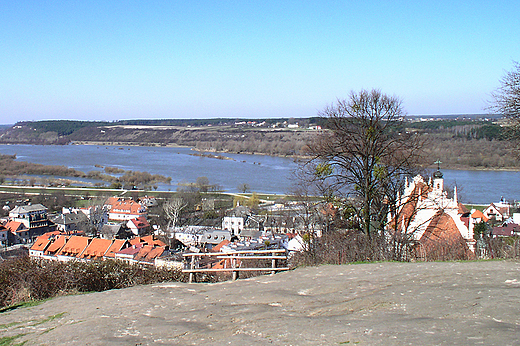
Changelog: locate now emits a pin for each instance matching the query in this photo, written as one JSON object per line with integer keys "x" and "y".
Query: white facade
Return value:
{"x": 233, "y": 224}
{"x": 428, "y": 204}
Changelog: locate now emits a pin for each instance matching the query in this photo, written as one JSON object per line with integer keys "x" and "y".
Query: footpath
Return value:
{"x": 440, "y": 303}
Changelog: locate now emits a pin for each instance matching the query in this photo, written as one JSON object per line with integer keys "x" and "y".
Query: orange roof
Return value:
{"x": 154, "y": 253}
{"x": 477, "y": 214}
{"x": 14, "y": 226}
{"x": 125, "y": 206}
{"x": 148, "y": 240}
{"x": 57, "y": 243}
{"x": 41, "y": 243}
{"x": 143, "y": 252}
{"x": 152, "y": 240}
{"x": 442, "y": 240}
{"x": 140, "y": 222}
{"x": 220, "y": 245}
{"x": 97, "y": 248}
{"x": 409, "y": 209}
{"x": 149, "y": 253}
{"x": 74, "y": 247}
{"x": 117, "y": 245}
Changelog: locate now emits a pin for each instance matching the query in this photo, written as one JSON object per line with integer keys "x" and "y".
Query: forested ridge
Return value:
{"x": 458, "y": 143}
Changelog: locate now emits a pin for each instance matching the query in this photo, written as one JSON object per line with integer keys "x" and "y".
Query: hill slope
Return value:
{"x": 369, "y": 304}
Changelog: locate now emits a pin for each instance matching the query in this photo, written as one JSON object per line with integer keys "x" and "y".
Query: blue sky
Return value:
{"x": 111, "y": 60}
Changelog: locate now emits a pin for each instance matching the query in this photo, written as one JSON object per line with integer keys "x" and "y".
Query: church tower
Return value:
{"x": 438, "y": 180}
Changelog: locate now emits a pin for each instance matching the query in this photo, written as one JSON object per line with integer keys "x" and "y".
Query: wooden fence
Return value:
{"x": 234, "y": 262}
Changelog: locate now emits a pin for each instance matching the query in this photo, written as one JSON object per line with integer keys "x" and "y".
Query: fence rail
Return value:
{"x": 235, "y": 260}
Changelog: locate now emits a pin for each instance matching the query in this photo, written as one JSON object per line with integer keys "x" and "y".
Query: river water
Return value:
{"x": 264, "y": 174}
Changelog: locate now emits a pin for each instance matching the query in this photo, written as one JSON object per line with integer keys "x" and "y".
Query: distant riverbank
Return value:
{"x": 263, "y": 173}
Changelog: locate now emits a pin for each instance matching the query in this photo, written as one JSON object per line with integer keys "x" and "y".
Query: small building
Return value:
{"x": 56, "y": 244}
{"x": 120, "y": 209}
{"x": 32, "y": 216}
{"x": 498, "y": 211}
{"x": 37, "y": 250}
{"x": 233, "y": 224}
{"x": 5, "y": 236}
{"x": 506, "y": 230}
{"x": 139, "y": 226}
{"x": 69, "y": 222}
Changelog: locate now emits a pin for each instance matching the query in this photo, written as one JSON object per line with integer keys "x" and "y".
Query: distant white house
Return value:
{"x": 233, "y": 224}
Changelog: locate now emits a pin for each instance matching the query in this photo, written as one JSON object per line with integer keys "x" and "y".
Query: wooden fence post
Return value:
{"x": 273, "y": 263}
{"x": 192, "y": 266}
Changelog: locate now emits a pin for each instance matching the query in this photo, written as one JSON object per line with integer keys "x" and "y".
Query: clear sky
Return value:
{"x": 111, "y": 60}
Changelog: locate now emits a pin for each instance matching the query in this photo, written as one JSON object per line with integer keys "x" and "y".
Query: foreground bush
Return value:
{"x": 24, "y": 279}
{"x": 341, "y": 247}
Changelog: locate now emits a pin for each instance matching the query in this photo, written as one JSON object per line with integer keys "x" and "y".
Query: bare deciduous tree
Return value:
{"x": 364, "y": 154}
{"x": 173, "y": 208}
{"x": 506, "y": 100}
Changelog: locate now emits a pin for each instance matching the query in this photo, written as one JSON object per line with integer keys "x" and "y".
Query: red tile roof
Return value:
{"x": 41, "y": 243}
{"x": 74, "y": 247}
{"x": 442, "y": 240}
{"x": 477, "y": 214}
{"x": 15, "y": 226}
{"x": 117, "y": 245}
{"x": 57, "y": 243}
{"x": 220, "y": 245}
{"x": 147, "y": 240}
{"x": 96, "y": 249}
{"x": 125, "y": 206}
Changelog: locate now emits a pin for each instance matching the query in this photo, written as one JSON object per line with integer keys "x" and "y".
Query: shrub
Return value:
{"x": 24, "y": 279}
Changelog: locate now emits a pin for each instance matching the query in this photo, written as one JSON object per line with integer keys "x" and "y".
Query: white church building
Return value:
{"x": 427, "y": 215}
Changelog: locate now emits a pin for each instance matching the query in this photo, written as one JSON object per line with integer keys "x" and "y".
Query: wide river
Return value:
{"x": 266, "y": 174}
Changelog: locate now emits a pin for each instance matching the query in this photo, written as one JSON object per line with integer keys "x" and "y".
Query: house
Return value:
{"x": 506, "y": 230}
{"x": 15, "y": 226}
{"x": 431, "y": 221}
{"x": 120, "y": 209}
{"x": 138, "y": 226}
{"x": 55, "y": 245}
{"x": 5, "y": 236}
{"x": 233, "y": 224}
{"x": 498, "y": 211}
{"x": 128, "y": 253}
{"x": 37, "y": 250}
{"x": 149, "y": 253}
{"x": 70, "y": 222}
{"x": 32, "y": 216}
{"x": 476, "y": 217}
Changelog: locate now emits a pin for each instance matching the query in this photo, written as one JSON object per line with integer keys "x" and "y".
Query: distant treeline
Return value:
{"x": 459, "y": 143}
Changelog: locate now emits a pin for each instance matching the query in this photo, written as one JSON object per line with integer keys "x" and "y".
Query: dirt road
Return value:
{"x": 450, "y": 303}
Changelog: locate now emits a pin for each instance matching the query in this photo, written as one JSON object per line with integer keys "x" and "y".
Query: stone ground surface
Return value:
{"x": 446, "y": 303}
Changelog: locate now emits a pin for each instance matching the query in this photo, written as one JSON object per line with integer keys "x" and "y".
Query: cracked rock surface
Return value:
{"x": 439, "y": 303}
